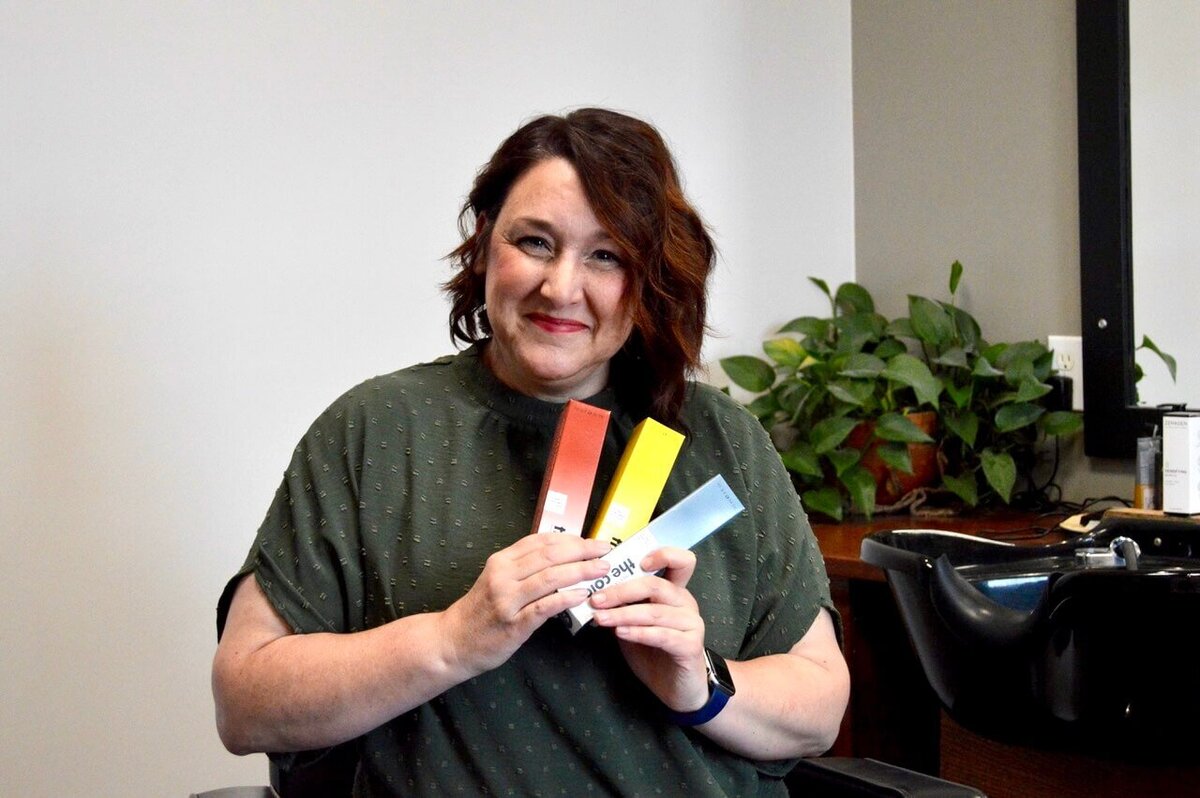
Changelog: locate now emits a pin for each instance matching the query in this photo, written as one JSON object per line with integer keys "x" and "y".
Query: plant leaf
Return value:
{"x": 984, "y": 368}
{"x": 1027, "y": 391}
{"x": 823, "y": 500}
{"x": 748, "y": 372}
{"x": 889, "y": 347}
{"x": 843, "y": 459}
{"x": 1167, "y": 359}
{"x": 968, "y": 333}
{"x": 861, "y": 486}
{"x": 827, "y": 435}
{"x": 763, "y": 407}
{"x": 901, "y": 328}
{"x": 912, "y": 372}
{"x": 955, "y": 357}
{"x": 862, "y": 366}
{"x": 857, "y": 330}
{"x": 1043, "y": 366}
{"x": 1020, "y": 351}
{"x": 1019, "y": 414}
{"x": 963, "y": 486}
{"x": 802, "y": 460}
{"x": 791, "y": 394}
{"x": 956, "y": 270}
{"x": 1018, "y": 360}
{"x": 897, "y": 427}
{"x": 855, "y": 392}
{"x": 896, "y": 456}
{"x": 824, "y": 286}
{"x": 1061, "y": 422}
{"x": 809, "y": 326}
{"x": 1000, "y": 471}
{"x": 959, "y": 394}
{"x": 930, "y": 321}
{"x": 964, "y": 424}
{"x": 785, "y": 351}
{"x": 853, "y": 298}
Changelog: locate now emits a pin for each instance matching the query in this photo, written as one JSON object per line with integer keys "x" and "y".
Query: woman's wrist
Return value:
{"x": 719, "y": 688}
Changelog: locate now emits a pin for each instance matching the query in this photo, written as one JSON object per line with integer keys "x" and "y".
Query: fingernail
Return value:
{"x": 598, "y": 599}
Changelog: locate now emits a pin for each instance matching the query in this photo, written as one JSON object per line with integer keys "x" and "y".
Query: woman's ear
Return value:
{"x": 483, "y": 231}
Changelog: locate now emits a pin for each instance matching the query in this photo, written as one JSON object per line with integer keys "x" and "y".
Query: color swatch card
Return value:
{"x": 571, "y": 470}
{"x": 639, "y": 481}
{"x": 702, "y": 512}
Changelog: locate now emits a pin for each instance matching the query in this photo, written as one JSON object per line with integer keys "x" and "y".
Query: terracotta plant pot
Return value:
{"x": 892, "y": 485}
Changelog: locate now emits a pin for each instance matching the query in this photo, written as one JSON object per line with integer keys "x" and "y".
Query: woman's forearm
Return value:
{"x": 277, "y": 691}
{"x": 786, "y": 705}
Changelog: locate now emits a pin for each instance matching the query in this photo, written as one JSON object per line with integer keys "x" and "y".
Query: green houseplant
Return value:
{"x": 837, "y": 392}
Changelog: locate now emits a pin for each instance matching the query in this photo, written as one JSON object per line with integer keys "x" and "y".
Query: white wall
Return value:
{"x": 215, "y": 217}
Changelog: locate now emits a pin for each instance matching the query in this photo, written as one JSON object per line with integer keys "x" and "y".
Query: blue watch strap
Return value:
{"x": 716, "y": 702}
{"x": 720, "y": 687}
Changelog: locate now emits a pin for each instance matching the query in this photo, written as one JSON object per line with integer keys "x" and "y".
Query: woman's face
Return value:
{"x": 555, "y": 288}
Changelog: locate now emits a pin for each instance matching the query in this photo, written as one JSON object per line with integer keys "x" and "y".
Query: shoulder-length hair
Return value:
{"x": 632, "y": 184}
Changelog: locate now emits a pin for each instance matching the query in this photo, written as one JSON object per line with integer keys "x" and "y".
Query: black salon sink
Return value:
{"x": 1080, "y": 645}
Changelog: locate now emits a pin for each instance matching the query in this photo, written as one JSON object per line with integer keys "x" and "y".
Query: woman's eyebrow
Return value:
{"x": 535, "y": 222}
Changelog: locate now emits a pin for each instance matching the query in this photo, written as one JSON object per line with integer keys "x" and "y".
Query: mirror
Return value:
{"x": 1164, "y": 140}
{"x": 1113, "y": 418}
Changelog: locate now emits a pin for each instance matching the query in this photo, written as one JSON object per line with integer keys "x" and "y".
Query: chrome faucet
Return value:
{"x": 1127, "y": 550}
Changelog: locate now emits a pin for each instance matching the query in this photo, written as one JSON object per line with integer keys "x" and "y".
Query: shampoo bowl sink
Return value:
{"x": 1086, "y": 644}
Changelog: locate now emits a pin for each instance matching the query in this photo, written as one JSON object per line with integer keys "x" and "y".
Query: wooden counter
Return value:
{"x": 840, "y": 543}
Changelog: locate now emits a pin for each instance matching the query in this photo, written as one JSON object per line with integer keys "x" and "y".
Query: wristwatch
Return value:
{"x": 720, "y": 690}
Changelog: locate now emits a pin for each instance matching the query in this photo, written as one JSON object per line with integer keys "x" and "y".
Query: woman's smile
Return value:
{"x": 553, "y": 324}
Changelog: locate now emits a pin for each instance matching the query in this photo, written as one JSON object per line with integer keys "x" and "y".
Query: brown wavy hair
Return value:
{"x": 632, "y": 184}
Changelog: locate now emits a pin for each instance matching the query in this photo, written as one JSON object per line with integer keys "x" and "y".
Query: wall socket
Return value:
{"x": 1068, "y": 361}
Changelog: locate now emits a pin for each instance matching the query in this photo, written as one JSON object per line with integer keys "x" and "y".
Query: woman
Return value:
{"x": 398, "y": 598}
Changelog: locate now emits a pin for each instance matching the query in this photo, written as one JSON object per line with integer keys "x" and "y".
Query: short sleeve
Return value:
{"x": 791, "y": 584}
{"x": 307, "y": 554}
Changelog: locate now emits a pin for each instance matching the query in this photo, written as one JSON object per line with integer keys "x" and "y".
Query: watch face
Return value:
{"x": 719, "y": 672}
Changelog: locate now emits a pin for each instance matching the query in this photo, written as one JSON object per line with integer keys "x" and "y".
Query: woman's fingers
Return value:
{"x": 653, "y": 602}
{"x": 669, "y": 588}
{"x": 522, "y": 582}
{"x": 533, "y": 554}
{"x": 679, "y": 564}
{"x": 518, "y": 590}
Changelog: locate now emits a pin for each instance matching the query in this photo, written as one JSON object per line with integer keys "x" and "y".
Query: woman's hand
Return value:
{"x": 516, "y": 593}
{"x": 788, "y": 704}
{"x": 658, "y": 625}
{"x": 279, "y": 691}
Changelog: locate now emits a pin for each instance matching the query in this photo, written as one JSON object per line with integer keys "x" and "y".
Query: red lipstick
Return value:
{"x": 553, "y": 324}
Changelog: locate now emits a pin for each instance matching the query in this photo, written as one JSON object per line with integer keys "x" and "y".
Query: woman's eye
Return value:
{"x": 533, "y": 244}
{"x": 606, "y": 257}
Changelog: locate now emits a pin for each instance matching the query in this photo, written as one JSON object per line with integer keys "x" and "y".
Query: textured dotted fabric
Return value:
{"x": 400, "y": 491}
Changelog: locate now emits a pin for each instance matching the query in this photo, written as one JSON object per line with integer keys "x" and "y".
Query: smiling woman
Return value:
{"x": 628, "y": 184}
{"x": 395, "y": 599}
{"x": 555, "y": 289}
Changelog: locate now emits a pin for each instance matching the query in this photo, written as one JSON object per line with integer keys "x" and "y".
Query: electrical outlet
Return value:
{"x": 1068, "y": 361}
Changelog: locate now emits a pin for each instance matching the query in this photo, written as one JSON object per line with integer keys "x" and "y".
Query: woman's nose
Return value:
{"x": 562, "y": 282}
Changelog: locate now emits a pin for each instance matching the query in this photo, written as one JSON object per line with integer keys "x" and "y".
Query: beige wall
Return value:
{"x": 965, "y": 149}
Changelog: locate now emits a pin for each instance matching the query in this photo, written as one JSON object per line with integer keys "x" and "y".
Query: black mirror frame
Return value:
{"x": 1112, "y": 418}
